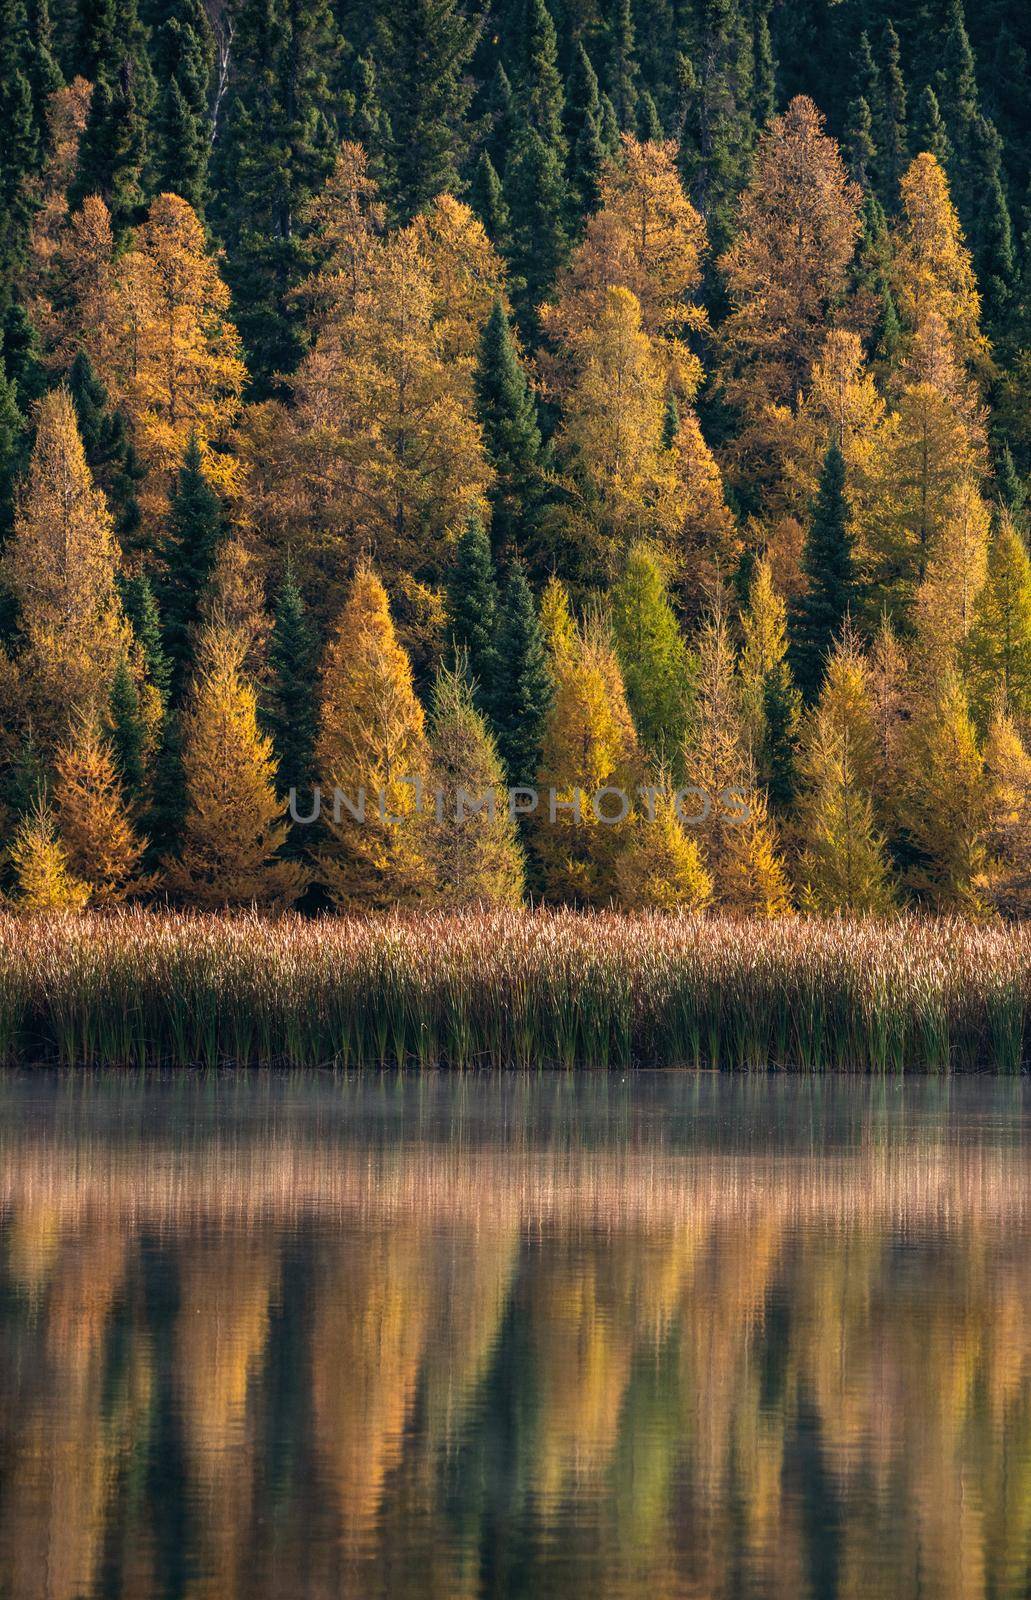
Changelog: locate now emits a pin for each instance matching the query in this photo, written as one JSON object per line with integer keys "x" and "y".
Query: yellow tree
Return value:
{"x": 179, "y": 364}
{"x": 372, "y": 749}
{"x": 104, "y": 849}
{"x": 739, "y": 844}
{"x": 43, "y": 877}
{"x": 998, "y": 654}
{"x": 707, "y": 544}
{"x": 589, "y": 745}
{"x": 60, "y": 566}
{"x": 944, "y": 608}
{"x": 660, "y": 867}
{"x": 648, "y": 238}
{"x": 946, "y": 801}
{"x": 768, "y": 698}
{"x": 386, "y": 449}
{"x": 932, "y": 273}
{"x": 473, "y": 842}
{"x": 624, "y": 481}
{"x": 234, "y": 827}
{"x": 1007, "y": 884}
{"x": 843, "y": 867}
{"x": 787, "y": 271}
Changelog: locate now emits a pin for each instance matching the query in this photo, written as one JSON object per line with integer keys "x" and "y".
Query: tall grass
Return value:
{"x": 521, "y": 989}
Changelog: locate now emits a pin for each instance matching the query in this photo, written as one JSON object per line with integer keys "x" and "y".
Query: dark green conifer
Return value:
{"x": 471, "y": 608}
{"x": 488, "y": 201}
{"x": 290, "y": 716}
{"x": 13, "y": 451}
{"x": 507, "y": 413}
{"x": 583, "y": 125}
{"x": 128, "y": 731}
{"x": 194, "y": 532}
{"x": 521, "y": 691}
{"x": 424, "y": 48}
{"x": 141, "y": 608}
{"x": 535, "y": 193}
{"x": 892, "y": 134}
{"x": 622, "y": 73}
{"x": 929, "y": 131}
{"x": 818, "y": 613}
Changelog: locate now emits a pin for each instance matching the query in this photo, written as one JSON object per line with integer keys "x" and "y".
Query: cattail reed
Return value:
{"x": 514, "y": 989}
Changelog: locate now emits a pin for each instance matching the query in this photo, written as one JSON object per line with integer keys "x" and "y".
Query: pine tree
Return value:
{"x": 474, "y": 849}
{"x": 110, "y": 452}
{"x": 471, "y": 610}
{"x": 522, "y": 688}
{"x": 141, "y": 609}
{"x": 233, "y": 831}
{"x": 859, "y": 144}
{"x": 44, "y": 880}
{"x": 764, "y": 74}
{"x": 998, "y": 650}
{"x": 1011, "y": 489}
{"x": 956, "y": 86}
{"x": 499, "y": 117}
{"x": 195, "y": 529}
{"x": 718, "y": 136}
{"x": 819, "y": 612}
{"x": 128, "y": 733}
{"x": 23, "y": 138}
{"x": 274, "y": 147}
{"x": 539, "y": 98}
{"x": 660, "y": 867}
{"x": 372, "y": 128}
{"x": 425, "y": 46}
{"x": 583, "y": 130}
{"x": 653, "y": 657}
{"x": 113, "y": 151}
{"x": 372, "y": 747}
{"x": 507, "y": 412}
{"x": 104, "y": 849}
{"x": 290, "y": 714}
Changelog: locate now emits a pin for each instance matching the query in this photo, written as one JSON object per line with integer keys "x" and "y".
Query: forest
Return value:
{"x": 404, "y": 398}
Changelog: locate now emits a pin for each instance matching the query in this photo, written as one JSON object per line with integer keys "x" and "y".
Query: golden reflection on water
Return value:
{"x": 285, "y": 1357}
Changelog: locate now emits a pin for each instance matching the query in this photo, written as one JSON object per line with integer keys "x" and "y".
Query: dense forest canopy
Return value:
{"x": 405, "y": 396}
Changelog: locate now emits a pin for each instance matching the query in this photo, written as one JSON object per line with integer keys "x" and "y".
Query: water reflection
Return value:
{"x": 448, "y": 1338}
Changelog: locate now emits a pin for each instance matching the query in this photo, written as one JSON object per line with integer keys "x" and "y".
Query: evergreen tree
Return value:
{"x": 23, "y": 134}
{"x": 649, "y": 126}
{"x": 128, "y": 732}
{"x": 13, "y": 453}
{"x": 507, "y": 412}
{"x": 499, "y": 118}
{"x": 539, "y": 99}
{"x": 956, "y": 86}
{"x": 273, "y": 149}
{"x": 990, "y": 227}
{"x": 471, "y": 608}
{"x": 718, "y": 136}
{"x": 583, "y": 129}
{"x": 141, "y": 610}
{"x": 22, "y": 357}
{"x": 820, "y": 610}
{"x": 473, "y": 846}
{"x": 621, "y": 69}
{"x": 892, "y": 133}
{"x": 425, "y": 47}
{"x": 113, "y": 151}
{"x": 194, "y": 531}
{"x": 185, "y": 53}
{"x": 764, "y": 75}
{"x": 536, "y": 198}
{"x": 290, "y": 715}
{"x": 1012, "y": 490}
{"x": 109, "y": 450}
{"x": 654, "y": 659}
{"x": 488, "y": 201}
{"x": 372, "y": 124}
{"x": 521, "y": 689}
{"x": 929, "y": 131}
{"x": 859, "y": 144}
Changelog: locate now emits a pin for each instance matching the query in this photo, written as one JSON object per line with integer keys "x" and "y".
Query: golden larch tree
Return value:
{"x": 373, "y": 749}
{"x": 473, "y": 843}
{"x": 234, "y": 828}
{"x": 93, "y": 816}
{"x": 660, "y": 867}
{"x": 60, "y": 566}
{"x": 947, "y": 802}
{"x": 932, "y": 271}
{"x": 44, "y": 880}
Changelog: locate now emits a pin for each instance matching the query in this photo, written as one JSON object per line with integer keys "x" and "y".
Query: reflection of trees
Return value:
{"x": 727, "y": 1377}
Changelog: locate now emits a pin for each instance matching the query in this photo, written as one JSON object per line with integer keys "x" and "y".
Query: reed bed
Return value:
{"x": 521, "y": 989}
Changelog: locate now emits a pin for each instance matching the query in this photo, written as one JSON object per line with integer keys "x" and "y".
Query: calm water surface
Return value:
{"x": 556, "y": 1337}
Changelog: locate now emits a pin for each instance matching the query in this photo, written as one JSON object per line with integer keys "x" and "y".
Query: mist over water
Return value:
{"x": 448, "y": 1336}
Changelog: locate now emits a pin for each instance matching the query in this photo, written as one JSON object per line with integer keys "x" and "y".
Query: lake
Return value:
{"x": 514, "y": 1336}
